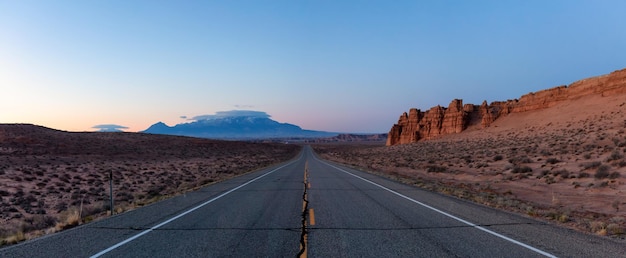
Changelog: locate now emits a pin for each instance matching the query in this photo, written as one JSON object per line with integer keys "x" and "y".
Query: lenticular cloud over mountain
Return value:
{"x": 236, "y": 124}
{"x": 109, "y": 128}
{"x": 232, "y": 113}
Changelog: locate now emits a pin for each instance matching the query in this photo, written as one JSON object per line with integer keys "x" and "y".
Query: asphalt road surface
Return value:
{"x": 310, "y": 207}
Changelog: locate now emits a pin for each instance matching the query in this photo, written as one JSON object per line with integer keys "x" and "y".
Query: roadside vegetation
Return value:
{"x": 52, "y": 180}
{"x": 571, "y": 173}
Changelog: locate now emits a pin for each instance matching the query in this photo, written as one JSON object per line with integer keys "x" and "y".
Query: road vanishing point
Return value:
{"x": 309, "y": 207}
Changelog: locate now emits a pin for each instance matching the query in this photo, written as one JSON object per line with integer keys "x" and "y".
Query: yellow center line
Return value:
{"x": 312, "y": 217}
{"x": 304, "y": 206}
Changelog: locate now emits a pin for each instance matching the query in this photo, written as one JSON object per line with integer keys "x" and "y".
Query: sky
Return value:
{"x": 339, "y": 66}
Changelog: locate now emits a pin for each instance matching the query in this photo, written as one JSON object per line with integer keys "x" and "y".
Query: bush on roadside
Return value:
{"x": 521, "y": 169}
{"x": 437, "y": 169}
{"x": 602, "y": 172}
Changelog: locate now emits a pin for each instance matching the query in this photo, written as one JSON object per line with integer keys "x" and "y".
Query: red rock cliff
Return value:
{"x": 438, "y": 121}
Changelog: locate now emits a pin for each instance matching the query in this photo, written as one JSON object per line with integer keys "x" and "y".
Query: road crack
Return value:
{"x": 305, "y": 208}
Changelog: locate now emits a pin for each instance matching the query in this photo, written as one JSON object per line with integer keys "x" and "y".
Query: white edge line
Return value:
{"x": 446, "y": 214}
{"x": 187, "y": 212}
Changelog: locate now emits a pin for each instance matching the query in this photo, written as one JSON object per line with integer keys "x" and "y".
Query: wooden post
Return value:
{"x": 111, "y": 189}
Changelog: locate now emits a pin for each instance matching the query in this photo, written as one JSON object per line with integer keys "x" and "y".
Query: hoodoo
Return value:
{"x": 439, "y": 121}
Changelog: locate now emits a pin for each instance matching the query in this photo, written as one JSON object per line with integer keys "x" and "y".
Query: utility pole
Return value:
{"x": 111, "y": 189}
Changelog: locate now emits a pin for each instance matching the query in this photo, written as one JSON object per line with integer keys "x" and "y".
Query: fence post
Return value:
{"x": 111, "y": 189}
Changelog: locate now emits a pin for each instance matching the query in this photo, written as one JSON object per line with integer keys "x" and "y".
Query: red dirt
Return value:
{"x": 49, "y": 177}
{"x": 544, "y": 163}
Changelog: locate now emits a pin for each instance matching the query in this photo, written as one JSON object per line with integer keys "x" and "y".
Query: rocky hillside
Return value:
{"x": 438, "y": 121}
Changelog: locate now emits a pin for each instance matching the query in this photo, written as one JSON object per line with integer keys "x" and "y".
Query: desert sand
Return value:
{"x": 52, "y": 180}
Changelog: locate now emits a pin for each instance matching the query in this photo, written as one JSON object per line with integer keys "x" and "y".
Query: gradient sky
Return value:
{"x": 342, "y": 66}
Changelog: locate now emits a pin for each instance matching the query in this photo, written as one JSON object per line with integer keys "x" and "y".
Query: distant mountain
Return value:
{"x": 236, "y": 125}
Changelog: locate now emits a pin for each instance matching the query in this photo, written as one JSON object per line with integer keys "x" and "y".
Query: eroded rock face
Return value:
{"x": 439, "y": 121}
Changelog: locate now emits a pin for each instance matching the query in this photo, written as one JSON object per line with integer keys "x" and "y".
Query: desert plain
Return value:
{"x": 558, "y": 155}
{"x": 53, "y": 180}
{"x": 564, "y": 164}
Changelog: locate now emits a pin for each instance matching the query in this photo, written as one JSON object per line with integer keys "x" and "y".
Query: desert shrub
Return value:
{"x": 589, "y": 147}
{"x": 436, "y": 168}
{"x": 521, "y": 169}
{"x": 4, "y": 193}
{"x": 614, "y": 175}
{"x": 155, "y": 190}
{"x": 38, "y": 222}
{"x": 124, "y": 196}
{"x": 594, "y": 164}
{"x": 563, "y": 173}
{"x": 520, "y": 160}
{"x": 615, "y": 229}
{"x": 90, "y": 210}
{"x": 497, "y": 158}
{"x": 615, "y": 155}
{"x": 602, "y": 172}
{"x": 61, "y": 206}
{"x": 482, "y": 165}
{"x": 552, "y": 160}
{"x": 587, "y": 156}
{"x": 583, "y": 175}
{"x": 546, "y": 153}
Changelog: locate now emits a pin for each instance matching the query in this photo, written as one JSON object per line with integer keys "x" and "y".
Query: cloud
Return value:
{"x": 183, "y": 117}
{"x": 109, "y": 128}
{"x": 244, "y": 106}
{"x": 232, "y": 113}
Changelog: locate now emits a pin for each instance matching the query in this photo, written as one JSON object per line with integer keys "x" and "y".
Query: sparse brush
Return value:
{"x": 552, "y": 160}
{"x": 615, "y": 155}
{"x": 70, "y": 220}
{"x": 615, "y": 229}
{"x": 520, "y": 160}
{"x": 13, "y": 239}
{"x": 563, "y": 173}
{"x": 602, "y": 172}
{"x": 436, "y": 169}
{"x": 521, "y": 169}
{"x": 590, "y": 165}
{"x": 596, "y": 225}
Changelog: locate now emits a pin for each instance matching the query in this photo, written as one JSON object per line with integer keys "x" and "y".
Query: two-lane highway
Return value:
{"x": 346, "y": 213}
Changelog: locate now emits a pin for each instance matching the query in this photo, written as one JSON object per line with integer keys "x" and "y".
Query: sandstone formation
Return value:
{"x": 439, "y": 121}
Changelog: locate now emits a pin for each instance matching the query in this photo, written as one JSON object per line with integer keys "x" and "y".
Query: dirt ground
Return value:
{"x": 564, "y": 164}
{"x": 52, "y": 180}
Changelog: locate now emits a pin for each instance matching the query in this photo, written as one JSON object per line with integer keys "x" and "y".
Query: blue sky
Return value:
{"x": 344, "y": 66}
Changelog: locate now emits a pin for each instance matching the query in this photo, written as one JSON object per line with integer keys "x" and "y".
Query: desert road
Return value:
{"x": 315, "y": 208}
